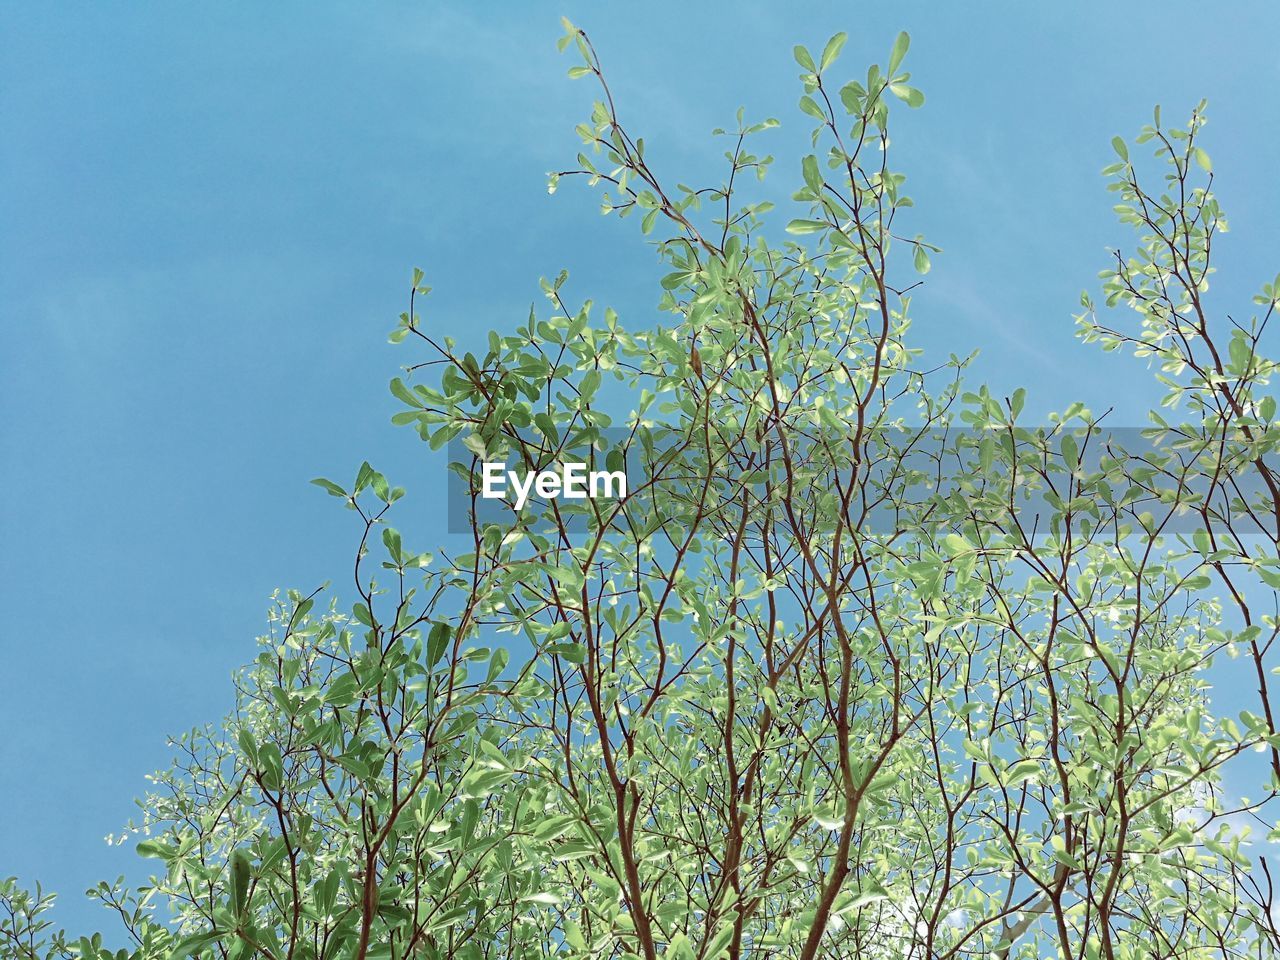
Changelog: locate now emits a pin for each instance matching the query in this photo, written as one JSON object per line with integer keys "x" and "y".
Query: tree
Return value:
{"x": 861, "y": 666}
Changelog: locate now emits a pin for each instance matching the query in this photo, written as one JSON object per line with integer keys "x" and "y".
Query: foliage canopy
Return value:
{"x": 865, "y": 667}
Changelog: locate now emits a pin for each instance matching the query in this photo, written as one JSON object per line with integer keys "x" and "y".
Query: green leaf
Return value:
{"x": 807, "y": 226}
{"x": 1241, "y": 353}
{"x": 437, "y": 642}
{"x": 1017, "y": 401}
{"x": 550, "y": 899}
{"x": 810, "y": 106}
{"x": 363, "y": 476}
{"x": 404, "y": 394}
{"x": 154, "y": 848}
{"x": 546, "y": 423}
{"x": 342, "y": 692}
{"x": 909, "y": 95}
{"x": 573, "y": 652}
{"x": 1202, "y": 159}
{"x": 832, "y": 49}
{"x": 497, "y": 663}
{"x": 1021, "y": 771}
{"x": 899, "y": 51}
{"x": 329, "y": 485}
{"x": 1121, "y": 148}
{"x": 240, "y": 873}
{"x": 189, "y": 945}
{"x": 922, "y": 264}
{"x": 391, "y": 539}
{"x": 812, "y": 175}
{"x": 804, "y": 59}
{"x": 851, "y": 95}
{"x": 718, "y": 944}
{"x": 1270, "y": 577}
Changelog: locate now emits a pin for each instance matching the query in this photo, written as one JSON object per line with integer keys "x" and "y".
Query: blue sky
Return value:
{"x": 210, "y": 213}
